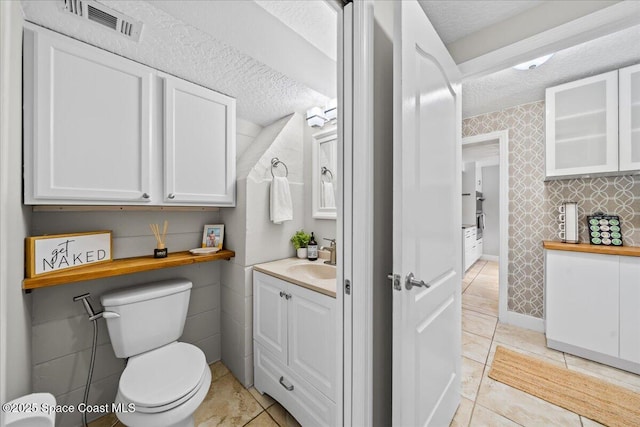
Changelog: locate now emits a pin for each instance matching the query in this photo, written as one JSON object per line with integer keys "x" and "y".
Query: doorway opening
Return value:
{"x": 484, "y": 155}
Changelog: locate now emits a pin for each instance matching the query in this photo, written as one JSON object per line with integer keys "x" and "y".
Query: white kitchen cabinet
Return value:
{"x": 199, "y": 145}
{"x": 87, "y": 123}
{"x": 103, "y": 130}
{"x": 582, "y": 126}
{"x": 295, "y": 349}
{"x": 629, "y": 99}
{"x": 479, "y": 248}
{"x": 478, "y": 181}
{"x": 630, "y": 309}
{"x": 592, "y": 306}
{"x": 582, "y": 300}
{"x": 470, "y": 247}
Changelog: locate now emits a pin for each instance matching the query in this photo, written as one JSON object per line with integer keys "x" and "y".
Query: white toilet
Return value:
{"x": 41, "y": 412}
{"x": 165, "y": 379}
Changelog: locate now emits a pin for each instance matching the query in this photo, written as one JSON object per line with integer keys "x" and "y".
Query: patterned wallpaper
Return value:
{"x": 533, "y": 202}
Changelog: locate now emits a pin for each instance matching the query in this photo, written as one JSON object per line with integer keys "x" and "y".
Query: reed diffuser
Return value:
{"x": 161, "y": 250}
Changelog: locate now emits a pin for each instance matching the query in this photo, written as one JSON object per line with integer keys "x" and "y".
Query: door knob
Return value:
{"x": 411, "y": 281}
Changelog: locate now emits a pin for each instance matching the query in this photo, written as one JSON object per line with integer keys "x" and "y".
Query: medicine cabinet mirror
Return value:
{"x": 324, "y": 166}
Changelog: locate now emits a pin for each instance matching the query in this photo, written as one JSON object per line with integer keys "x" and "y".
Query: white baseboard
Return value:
{"x": 524, "y": 321}
{"x": 494, "y": 258}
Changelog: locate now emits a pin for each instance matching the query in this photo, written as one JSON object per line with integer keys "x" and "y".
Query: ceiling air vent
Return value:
{"x": 105, "y": 16}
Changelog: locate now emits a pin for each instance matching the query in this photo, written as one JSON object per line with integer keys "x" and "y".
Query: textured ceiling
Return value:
{"x": 456, "y": 19}
{"x": 263, "y": 95}
{"x": 512, "y": 87}
{"x": 316, "y": 21}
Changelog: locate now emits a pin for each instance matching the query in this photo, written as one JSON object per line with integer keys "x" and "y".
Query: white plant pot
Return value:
{"x": 302, "y": 253}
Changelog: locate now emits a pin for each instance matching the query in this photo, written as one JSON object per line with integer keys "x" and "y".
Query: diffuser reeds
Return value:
{"x": 160, "y": 238}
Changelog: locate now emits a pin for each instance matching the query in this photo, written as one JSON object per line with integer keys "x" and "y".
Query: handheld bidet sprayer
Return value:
{"x": 93, "y": 317}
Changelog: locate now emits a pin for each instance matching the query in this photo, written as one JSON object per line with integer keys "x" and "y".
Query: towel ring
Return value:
{"x": 324, "y": 171}
{"x": 274, "y": 164}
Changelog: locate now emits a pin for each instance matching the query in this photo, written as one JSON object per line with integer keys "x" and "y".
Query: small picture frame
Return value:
{"x": 213, "y": 236}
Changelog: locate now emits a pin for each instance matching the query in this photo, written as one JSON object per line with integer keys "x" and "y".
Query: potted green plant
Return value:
{"x": 300, "y": 241}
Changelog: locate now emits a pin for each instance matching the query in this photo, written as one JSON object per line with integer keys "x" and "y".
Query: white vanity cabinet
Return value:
{"x": 630, "y": 118}
{"x": 87, "y": 123}
{"x": 100, "y": 129}
{"x": 592, "y": 306}
{"x": 582, "y": 126}
{"x": 199, "y": 145}
{"x": 295, "y": 349}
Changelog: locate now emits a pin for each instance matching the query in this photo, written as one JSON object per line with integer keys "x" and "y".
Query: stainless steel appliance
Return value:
{"x": 480, "y": 218}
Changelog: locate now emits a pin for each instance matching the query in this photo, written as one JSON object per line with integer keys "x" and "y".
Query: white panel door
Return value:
{"x": 629, "y": 99}
{"x": 630, "y": 308}
{"x": 582, "y": 300}
{"x": 199, "y": 155}
{"x": 312, "y": 338}
{"x": 582, "y": 126}
{"x": 270, "y": 314}
{"x": 87, "y": 123}
{"x": 427, "y": 185}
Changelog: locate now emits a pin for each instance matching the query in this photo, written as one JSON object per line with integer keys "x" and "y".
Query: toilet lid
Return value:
{"x": 162, "y": 376}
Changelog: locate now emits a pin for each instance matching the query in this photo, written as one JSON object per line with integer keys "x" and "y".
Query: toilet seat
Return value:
{"x": 164, "y": 378}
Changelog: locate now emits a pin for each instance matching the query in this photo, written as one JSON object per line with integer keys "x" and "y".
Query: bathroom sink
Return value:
{"x": 313, "y": 271}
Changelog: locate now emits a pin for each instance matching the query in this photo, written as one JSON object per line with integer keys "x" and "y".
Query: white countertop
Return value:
{"x": 280, "y": 268}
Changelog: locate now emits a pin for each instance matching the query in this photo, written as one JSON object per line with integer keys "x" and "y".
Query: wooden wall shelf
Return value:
{"x": 119, "y": 267}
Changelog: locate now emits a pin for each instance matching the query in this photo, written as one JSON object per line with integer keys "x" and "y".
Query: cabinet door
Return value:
{"x": 478, "y": 178}
{"x": 87, "y": 122}
{"x": 312, "y": 338}
{"x": 199, "y": 155}
{"x": 270, "y": 314}
{"x": 582, "y": 126}
{"x": 630, "y": 118}
{"x": 630, "y": 308}
{"x": 582, "y": 300}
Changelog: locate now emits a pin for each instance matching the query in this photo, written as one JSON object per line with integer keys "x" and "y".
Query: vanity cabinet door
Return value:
{"x": 270, "y": 314}
{"x": 199, "y": 145}
{"x": 630, "y": 308}
{"x": 312, "y": 338}
{"x": 87, "y": 123}
{"x": 630, "y": 118}
{"x": 582, "y": 299}
{"x": 582, "y": 126}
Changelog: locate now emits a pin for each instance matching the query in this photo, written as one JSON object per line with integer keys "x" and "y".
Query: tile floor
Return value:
{"x": 485, "y": 402}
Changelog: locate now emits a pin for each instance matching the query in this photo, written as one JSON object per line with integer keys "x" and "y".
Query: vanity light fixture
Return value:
{"x": 534, "y": 63}
{"x": 315, "y": 117}
{"x": 331, "y": 110}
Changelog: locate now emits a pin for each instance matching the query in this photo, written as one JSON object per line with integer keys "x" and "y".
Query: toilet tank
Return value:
{"x": 143, "y": 317}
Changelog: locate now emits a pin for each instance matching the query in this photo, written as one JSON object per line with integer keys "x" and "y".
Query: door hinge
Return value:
{"x": 347, "y": 286}
{"x": 395, "y": 278}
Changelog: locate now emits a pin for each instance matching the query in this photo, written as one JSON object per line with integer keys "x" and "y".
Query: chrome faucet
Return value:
{"x": 332, "y": 250}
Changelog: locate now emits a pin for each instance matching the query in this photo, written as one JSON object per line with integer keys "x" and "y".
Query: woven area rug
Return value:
{"x": 588, "y": 396}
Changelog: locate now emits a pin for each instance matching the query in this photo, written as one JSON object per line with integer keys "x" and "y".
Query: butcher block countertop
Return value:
{"x": 593, "y": 249}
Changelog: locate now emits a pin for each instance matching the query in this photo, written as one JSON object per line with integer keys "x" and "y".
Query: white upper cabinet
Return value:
{"x": 630, "y": 118}
{"x": 100, "y": 129}
{"x": 199, "y": 144}
{"x": 582, "y": 126}
{"x": 87, "y": 123}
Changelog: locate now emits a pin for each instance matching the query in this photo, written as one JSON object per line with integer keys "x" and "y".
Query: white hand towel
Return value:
{"x": 281, "y": 206}
{"x": 328, "y": 195}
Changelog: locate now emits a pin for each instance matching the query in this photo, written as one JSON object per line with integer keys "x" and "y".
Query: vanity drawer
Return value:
{"x": 303, "y": 401}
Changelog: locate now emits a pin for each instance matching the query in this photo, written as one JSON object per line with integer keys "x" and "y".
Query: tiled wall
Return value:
{"x": 533, "y": 202}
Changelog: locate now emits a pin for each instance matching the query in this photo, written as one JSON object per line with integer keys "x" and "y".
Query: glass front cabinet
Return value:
{"x": 593, "y": 125}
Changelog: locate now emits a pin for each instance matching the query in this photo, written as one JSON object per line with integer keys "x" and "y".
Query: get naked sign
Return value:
{"x": 46, "y": 254}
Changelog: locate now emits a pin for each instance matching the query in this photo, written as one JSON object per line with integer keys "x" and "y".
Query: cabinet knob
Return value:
{"x": 171, "y": 196}
{"x": 145, "y": 195}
